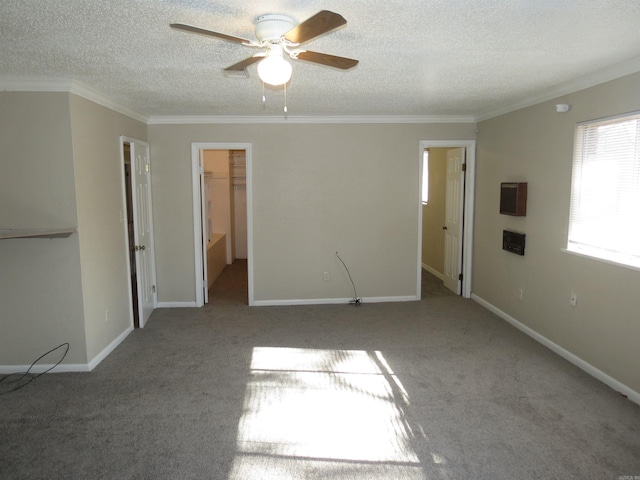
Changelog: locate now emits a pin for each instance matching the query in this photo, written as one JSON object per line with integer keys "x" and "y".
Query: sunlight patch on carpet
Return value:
{"x": 324, "y": 412}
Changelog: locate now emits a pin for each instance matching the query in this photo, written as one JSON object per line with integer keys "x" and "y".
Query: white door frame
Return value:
{"x": 152, "y": 254}
{"x": 197, "y": 171}
{"x": 469, "y": 188}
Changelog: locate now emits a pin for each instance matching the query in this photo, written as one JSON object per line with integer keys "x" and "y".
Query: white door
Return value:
{"x": 453, "y": 220}
{"x": 143, "y": 228}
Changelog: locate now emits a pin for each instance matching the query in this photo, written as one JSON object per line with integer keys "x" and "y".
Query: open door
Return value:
{"x": 143, "y": 245}
{"x": 453, "y": 220}
{"x": 203, "y": 222}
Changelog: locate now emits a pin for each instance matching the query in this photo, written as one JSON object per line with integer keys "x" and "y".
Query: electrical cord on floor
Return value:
{"x": 356, "y": 300}
{"x": 27, "y": 377}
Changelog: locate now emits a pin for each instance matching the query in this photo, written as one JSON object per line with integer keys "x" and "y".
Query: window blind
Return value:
{"x": 605, "y": 191}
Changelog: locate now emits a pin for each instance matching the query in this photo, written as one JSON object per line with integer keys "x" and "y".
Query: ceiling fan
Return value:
{"x": 278, "y": 35}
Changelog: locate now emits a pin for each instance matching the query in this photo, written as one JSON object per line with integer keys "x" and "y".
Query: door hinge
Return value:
{"x": 464, "y": 167}
{"x": 460, "y": 276}
{"x": 153, "y": 288}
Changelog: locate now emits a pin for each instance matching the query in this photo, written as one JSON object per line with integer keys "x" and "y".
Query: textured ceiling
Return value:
{"x": 417, "y": 57}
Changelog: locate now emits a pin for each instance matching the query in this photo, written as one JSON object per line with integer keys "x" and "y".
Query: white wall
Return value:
{"x": 535, "y": 145}
{"x": 317, "y": 189}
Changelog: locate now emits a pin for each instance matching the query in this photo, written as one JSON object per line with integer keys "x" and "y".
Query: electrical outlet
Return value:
{"x": 574, "y": 299}
{"x": 520, "y": 294}
{"x": 106, "y": 314}
{"x": 326, "y": 276}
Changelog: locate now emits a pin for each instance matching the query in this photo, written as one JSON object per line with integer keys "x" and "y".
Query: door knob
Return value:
{"x": 142, "y": 247}
{"x": 444, "y": 228}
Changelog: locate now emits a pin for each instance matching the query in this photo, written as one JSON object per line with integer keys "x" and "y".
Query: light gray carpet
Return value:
{"x": 437, "y": 389}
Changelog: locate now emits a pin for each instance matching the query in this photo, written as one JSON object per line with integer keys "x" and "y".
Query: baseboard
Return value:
{"x": 577, "y": 361}
{"x": 177, "y": 304}
{"x": 40, "y": 368}
{"x": 109, "y": 348}
{"x": 332, "y": 301}
{"x": 67, "y": 367}
{"x": 432, "y": 271}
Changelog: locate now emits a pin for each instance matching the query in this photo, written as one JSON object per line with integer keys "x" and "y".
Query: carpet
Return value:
{"x": 436, "y": 389}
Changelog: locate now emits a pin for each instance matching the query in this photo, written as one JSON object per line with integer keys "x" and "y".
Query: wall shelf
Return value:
{"x": 7, "y": 233}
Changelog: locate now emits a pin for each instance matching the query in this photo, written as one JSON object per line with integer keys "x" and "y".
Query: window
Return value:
{"x": 425, "y": 177}
{"x": 604, "y": 219}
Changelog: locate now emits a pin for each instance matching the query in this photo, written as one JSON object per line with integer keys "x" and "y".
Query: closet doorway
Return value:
{"x": 222, "y": 212}
{"x": 446, "y": 237}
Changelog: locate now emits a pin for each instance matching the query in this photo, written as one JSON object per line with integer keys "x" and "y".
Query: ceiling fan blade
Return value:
{"x": 328, "y": 60}
{"x": 321, "y": 22}
{"x": 247, "y": 62}
{"x": 210, "y": 33}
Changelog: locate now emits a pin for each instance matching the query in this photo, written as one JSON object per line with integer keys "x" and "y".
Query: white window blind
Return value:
{"x": 605, "y": 191}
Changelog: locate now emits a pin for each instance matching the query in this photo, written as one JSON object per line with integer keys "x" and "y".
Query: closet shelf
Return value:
{"x": 6, "y": 233}
{"x": 216, "y": 174}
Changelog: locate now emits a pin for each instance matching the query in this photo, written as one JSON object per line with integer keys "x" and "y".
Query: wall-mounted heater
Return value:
{"x": 513, "y": 199}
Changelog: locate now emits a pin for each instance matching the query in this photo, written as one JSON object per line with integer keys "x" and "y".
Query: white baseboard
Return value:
{"x": 577, "y": 361}
{"x": 109, "y": 348}
{"x": 177, "y": 304}
{"x": 68, "y": 367}
{"x": 39, "y": 368}
{"x": 332, "y": 301}
{"x": 432, "y": 271}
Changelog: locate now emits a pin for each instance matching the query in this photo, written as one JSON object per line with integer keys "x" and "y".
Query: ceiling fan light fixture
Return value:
{"x": 274, "y": 69}
{"x": 279, "y": 34}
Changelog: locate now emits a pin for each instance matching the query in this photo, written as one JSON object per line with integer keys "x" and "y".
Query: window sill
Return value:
{"x": 600, "y": 259}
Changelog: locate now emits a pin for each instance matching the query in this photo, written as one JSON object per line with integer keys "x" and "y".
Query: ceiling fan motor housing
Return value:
{"x": 271, "y": 27}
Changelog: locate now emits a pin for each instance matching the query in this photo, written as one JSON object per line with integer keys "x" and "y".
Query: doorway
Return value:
{"x": 221, "y": 212}
{"x": 133, "y": 278}
{"x": 452, "y": 234}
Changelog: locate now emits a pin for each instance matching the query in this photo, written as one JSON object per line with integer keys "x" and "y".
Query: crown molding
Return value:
{"x": 77, "y": 88}
{"x": 95, "y": 96}
{"x": 598, "y": 77}
{"x": 234, "y": 119}
{"x": 68, "y": 86}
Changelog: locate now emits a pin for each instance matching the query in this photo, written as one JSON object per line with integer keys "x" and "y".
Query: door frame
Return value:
{"x": 197, "y": 171}
{"x": 124, "y": 218}
{"x": 468, "y": 199}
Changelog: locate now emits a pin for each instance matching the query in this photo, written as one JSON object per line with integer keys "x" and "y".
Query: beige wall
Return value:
{"x": 61, "y": 168}
{"x": 433, "y": 214}
{"x": 37, "y": 182}
{"x": 217, "y": 161}
{"x": 40, "y": 288}
{"x": 535, "y": 145}
{"x": 317, "y": 189}
{"x": 103, "y": 245}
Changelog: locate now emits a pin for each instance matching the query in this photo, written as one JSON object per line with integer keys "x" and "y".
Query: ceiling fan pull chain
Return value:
{"x": 285, "y": 98}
